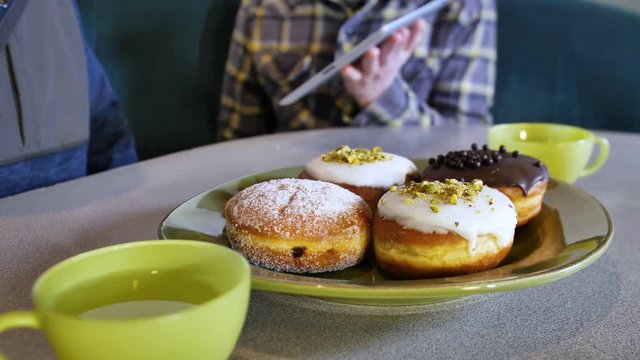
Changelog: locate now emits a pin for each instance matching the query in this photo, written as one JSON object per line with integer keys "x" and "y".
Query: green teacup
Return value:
{"x": 564, "y": 149}
{"x": 157, "y": 299}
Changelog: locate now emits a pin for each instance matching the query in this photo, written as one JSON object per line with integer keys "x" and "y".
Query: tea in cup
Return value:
{"x": 158, "y": 299}
{"x": 564, "y": 149}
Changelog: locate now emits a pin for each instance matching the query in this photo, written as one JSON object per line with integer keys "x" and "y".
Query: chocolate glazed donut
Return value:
{"x": 522, "y": 178}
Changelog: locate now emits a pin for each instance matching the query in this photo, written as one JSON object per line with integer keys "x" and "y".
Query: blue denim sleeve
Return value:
{"x": 111, "y": 143}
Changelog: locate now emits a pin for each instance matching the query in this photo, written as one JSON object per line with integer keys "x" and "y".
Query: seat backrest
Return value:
{"x": 568, "y": 61}
{"x": 165, "y": 59}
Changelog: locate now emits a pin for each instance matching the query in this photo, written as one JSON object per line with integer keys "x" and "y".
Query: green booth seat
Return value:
{"x": 165, "y": 59}
{"x": 567, "y": 61}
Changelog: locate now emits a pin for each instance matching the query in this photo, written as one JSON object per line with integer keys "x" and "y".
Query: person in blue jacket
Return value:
{"x": 59, "y": 116}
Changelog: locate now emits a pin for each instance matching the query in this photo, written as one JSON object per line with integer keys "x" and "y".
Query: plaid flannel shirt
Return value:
{"x": 279, "y": 44}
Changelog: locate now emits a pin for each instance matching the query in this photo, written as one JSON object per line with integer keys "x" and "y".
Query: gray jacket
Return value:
{"x": 44, "y": 101}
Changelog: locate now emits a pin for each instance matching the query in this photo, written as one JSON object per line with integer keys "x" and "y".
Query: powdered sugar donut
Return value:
{"x": 298, "y": 225}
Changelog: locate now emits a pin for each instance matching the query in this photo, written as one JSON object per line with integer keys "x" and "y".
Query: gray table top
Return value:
{"x": 592, "y": 314}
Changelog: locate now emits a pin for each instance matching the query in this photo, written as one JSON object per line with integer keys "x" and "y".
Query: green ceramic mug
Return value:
{"x": 565, "y": 149}
{"x": 156, "y": 299}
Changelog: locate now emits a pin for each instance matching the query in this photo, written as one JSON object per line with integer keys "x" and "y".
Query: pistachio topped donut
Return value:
{"x": 522, "y": 178}
{"x": 366, "y": 172}
{"x": 430, "y": 229}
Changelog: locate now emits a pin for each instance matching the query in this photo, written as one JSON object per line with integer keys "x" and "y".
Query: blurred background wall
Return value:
{"x": 630, "y": 4}
{"x": 569, "y": 61}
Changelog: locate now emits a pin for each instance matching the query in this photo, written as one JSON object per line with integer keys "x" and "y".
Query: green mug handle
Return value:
{"x": 18, "y": 319}
{"x": 603, "y": 154}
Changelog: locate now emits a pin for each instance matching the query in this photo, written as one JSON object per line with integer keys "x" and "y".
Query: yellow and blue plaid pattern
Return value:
{"x": 279, "y": 44}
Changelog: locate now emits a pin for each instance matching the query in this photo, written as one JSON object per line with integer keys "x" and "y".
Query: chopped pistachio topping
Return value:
{"x": 393, "y": 188}
{"x": 448, "y": 192}
{"x": 490, "y": 200}
{"x": 408, "y": 201}
{"x": 358, "y": 156}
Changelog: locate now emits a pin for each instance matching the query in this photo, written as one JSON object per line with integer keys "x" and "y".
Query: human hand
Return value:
{"x": 380, "y": 65}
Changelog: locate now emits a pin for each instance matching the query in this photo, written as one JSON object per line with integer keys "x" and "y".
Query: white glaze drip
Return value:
{"x": 375, "y": 174}
{"x": 491, "y": 213}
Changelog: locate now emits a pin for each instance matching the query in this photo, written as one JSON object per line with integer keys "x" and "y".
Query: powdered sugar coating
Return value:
{"x": 293, "y": 208}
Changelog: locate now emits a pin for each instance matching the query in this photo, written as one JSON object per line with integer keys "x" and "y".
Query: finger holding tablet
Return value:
{"x": 371, "y": 77}
{"x": 393, "y": 28}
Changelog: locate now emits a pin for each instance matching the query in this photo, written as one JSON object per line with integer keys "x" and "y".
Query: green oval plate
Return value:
{"x": 571, "y": 232}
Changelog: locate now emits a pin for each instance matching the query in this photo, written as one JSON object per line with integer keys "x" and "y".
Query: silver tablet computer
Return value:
{"x": 372, "y": 40}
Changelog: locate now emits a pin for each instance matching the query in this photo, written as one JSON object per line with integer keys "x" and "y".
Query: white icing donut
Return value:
{"x": 490, "y": 213}
{"x": 381, "y": 174}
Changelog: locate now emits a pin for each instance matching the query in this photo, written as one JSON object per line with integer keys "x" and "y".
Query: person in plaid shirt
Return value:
{"x": 440, "y": 69}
